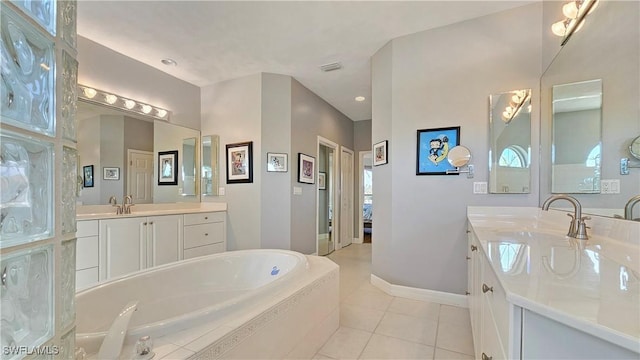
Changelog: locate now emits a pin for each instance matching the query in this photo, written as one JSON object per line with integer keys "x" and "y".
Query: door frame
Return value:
{"x": 129, "y": 165}
{"x": 344, "y": 149}
{"x": 335, "y": 222}
{"x": 361, "y": 155}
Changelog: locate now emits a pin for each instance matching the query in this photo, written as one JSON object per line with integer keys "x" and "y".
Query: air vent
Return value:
{"x": 331, "y": 67}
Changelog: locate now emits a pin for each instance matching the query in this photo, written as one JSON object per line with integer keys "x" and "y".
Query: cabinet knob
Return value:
{"x": 485, "y": 357}
{"x": 467, "y": 293}
{"x": 144, "y": 223}
{"x": 206, "y": 218}
{"x": 468, "y": 257}
{"x": 150, "y": 222}
{"x": 468, "y": 231}
{"x": 486, "y": 289}
{"x": 474, "y": 248}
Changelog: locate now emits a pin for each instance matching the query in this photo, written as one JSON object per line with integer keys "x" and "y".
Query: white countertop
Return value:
{"x": 593, "y": 286}
{"x": 99, "y": 212}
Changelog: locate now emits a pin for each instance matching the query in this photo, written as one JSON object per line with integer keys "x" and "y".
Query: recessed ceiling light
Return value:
{"x": 169, "y": 62}
{"x": 360, "y": 98}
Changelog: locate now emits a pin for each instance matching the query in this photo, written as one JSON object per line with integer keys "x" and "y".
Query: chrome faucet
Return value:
{"x": 114, "y": 202}
{"x": 628, "y": 208}
{"x": 578, "y": 227}
{"x": 127, "y": 203}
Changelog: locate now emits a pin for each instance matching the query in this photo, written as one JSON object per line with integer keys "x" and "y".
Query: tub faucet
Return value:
{"x": 112, "y": 344}
{"x": 628, "y": 208}
{"x": 577, "y": 227}
{"x": 127, "y": 203}
{"x": 114, "y": 202}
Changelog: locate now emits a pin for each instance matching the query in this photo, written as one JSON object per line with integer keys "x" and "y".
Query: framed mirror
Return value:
{"x": 510, "y": 142}
{"x": 189, "y": 167}
{"x": 209, "y": 169}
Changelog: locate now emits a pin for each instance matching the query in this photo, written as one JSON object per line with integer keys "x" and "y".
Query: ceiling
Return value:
{"x": 213, "y": 41}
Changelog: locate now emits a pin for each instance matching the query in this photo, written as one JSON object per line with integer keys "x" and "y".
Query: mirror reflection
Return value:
{"x": 189, "y": 155}
{"x": 576, "y": 133}
{"x": 209, "y": 171}
{"x": 510, "y": 142}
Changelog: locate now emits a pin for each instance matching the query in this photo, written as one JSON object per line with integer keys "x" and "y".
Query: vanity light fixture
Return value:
{"x": 518, "y": 99}
{"x": 97, "y": 96}
{"x": 575, "y": 13}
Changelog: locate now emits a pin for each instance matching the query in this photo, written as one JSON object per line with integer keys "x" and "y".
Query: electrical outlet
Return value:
{"x": 297, "y": 190}
{"x": 221, "y": 191}
{"x": 610, "y": 186}
{"x": 480, "y": 187}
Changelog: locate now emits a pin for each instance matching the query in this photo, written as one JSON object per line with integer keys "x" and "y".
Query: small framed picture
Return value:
{"x": 111, "y": 173}
{"x": 87, "y": 171}
{"x": 433, "y": 146}
{"x": 240, "y": 162}
{"x": 306, "y": 169}
{"x": 322, "y": 181}
{"x": 277, "y": 162}
{"x": 168, "y": 167}
{"x": 380, "y": 153}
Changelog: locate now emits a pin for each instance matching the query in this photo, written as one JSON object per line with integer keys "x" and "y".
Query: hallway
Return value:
{"x": 374, "y": 325}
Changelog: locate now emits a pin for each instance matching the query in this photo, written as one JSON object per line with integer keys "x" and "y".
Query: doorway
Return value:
{"x": 327, "y": 213}
{"x": 346, "y": 197}
{"x": 366, "y": 197}
{"x": 140, "y": 176}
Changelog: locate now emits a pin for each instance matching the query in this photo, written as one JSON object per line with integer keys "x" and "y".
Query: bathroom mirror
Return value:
{"x": 111, "y": 138}
{"x": 634, "y": 148}
{"x": 189, "y": 167}
{"x": 606, "y": 48}
{"x": 510, "y": 142}
{"x": 576, "y": 137}
{"x": 459, "y": 156}
{"x": 209, "y": 170}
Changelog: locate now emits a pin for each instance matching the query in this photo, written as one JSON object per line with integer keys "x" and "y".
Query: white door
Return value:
{"x": 165, "y": 239}
{"x": 346, "y": 197}
{"x": 140, "y": 176}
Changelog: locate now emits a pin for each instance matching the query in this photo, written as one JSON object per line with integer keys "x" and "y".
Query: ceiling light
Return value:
{"x": 146, "y": 108}
{"x": 360, "y": 98}
{"x": 89, "y": 92}
{"x": 110, "y": 99}
{"x": 161, "y": 112}
{"x": 129, "y": 104}
{"x": 331, "y": 67}
{"x": 126, "y": 105}
{"x": 169, "y": 62}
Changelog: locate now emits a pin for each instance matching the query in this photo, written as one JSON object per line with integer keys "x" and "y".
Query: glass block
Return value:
{"x": 28, "y": 67}
{"x": 68, "y": 288}
{"x": 69, "y": 96}
{"x": 26, "y": 189}
{"x": 69, "y": 189}
{"x": 68, "y": 345}
{"x": 27, "y": 299}
{"x": 42, "y": 11}
{"x": 68, "y": 11}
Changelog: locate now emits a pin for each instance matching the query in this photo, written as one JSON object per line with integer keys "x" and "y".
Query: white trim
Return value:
{"x": 336, "y": 209}
{"x": 420, "y": 294}
{"x": 361, "y": 155}
{"x": 349, "y": 184}
{"x": 356, "y": 240}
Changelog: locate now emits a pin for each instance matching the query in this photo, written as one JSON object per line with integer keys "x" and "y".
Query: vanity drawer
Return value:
{"x": 87, "y": 228}
{"x": 87, "y": 252}
{"x": 202, "y": 218}
{"x": 497, "y": 301}
{"x": 204, "y": 250}
{"x": 203, "y": 234}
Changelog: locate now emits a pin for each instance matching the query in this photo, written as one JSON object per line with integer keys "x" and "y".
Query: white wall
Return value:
{"x": 442, "y": 78}
{"x": 89, "y": 154}
{"x": 111, "y": 155}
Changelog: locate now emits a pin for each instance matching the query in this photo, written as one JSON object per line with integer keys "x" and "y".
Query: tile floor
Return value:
{"x": 374, "y": 325}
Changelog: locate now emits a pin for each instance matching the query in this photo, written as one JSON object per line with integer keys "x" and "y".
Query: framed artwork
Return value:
{"x": 168, "y": 167}
{"x": 380, "y": 153}
{"x": 87, "y": 171}
{"x": 322, "y": 181}
{"x": 432, "y": 149}
{"x": 277, "y": 162}
{"x": 240, "y": 162}
{"x": 111, "y": 173}
{"x": 306, "y": 169}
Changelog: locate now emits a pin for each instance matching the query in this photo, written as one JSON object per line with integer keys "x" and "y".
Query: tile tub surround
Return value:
{"x": 299, "y": 317}
{"x": 98, "y": 212}
{"x": 595, "y": 287}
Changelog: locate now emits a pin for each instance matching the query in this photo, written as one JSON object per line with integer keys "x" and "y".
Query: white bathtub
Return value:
{"x": 209, "y": 292}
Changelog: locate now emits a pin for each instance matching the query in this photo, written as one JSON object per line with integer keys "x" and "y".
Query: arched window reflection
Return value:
{"x": 593, "y": 159}
{"x": 513, "y": 156}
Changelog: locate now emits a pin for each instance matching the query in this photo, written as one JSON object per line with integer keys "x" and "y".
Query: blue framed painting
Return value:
{"x": 433, "y": 148}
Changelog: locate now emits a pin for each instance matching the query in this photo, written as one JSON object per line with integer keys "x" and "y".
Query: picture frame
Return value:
{"x": 111, "y": 173}
{"x": 432, "y": 148}
{"x": 380, "y": 153}
{"x": 306, "y": 169}
{"x": 322, "y": 181}
{"x": 168, "y": 167}
{"x": 87, "y": 173}
{"x": 240, "y": 162}
{"x": 277, "y": 162}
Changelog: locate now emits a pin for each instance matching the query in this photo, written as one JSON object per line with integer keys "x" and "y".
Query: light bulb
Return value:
{"x": 570, "y": 10}
{"x": 559, "y": 28}
{"x": 161, "y": 113}
{"x": 89, "y": 92}
{"x": 516, "y": 98}
{"x": 129, "y": 104}
{"x": 111, "y": 99}
{"x": 146, "y": 109}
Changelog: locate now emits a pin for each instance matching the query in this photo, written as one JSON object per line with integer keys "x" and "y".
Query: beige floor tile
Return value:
{"x": 455, "y": 337}
{"x": 442, "y": 354}
{"x": 322, "y": 357}
{"x": 384, "y": 347}
{"x": 409, "y": 328}
{"x": 417, "y": 308}
{"x": 455, "y": 315}
{"x": 369, "y": 299}
{"x": 358, "y": 317}
{"x": 346, "y": 343}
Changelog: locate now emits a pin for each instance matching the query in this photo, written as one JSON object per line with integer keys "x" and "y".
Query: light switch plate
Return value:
{"x": 297, "y": 190}
{"x": 479, "y": 187}
{"x": 221, "y": 191}
{"x": 610, "y": 186}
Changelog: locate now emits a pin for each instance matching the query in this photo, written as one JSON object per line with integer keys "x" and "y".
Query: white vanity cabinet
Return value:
{"x": 87, "y": 253}
{"x": 135, "y": 243}
{"x": 204, "y": 234}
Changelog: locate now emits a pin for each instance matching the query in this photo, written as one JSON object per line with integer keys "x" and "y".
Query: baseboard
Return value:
{"x": 358, "y": 240}
{"x": 439, "y": 297}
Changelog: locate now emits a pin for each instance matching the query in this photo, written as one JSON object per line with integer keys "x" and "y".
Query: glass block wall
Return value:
{"x": 38, "y": 172}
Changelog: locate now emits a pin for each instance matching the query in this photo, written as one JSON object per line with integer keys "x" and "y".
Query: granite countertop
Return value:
{"x": 592, "y": 285}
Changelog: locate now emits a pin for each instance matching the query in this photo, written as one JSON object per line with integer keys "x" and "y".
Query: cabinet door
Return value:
{"x": 122, "y": 246}
{"x": 165, "y": 239}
